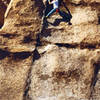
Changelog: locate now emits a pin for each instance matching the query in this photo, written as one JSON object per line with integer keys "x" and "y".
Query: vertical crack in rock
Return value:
{"x": 27, "y": 87}
{"x": 12, "y": 57}
{"x": 26, "y": 96}
{"x": 99, "y": 19}
{"x": 96, "y": 66}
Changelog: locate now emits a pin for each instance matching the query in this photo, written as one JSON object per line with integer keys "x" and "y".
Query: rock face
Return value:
{"x": 55, "y": 62}
{"x": 63, "y": 74}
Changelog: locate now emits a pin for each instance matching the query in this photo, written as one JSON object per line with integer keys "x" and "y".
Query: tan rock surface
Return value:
{"x": 13, "y": 73}
{"x": 63, "y": 74}
{"x": 17, "y": 39}
{"x": 65, "y": 66}
{"x": 22, "y": 23}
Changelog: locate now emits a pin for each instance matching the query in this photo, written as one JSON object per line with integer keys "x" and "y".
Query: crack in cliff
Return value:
{"x": 3, "y": 54}
{"x": 81, "y": 45}
{"x": 27, "y": 86}
{"x": 96, "y": 66}
{"x": 9, "y": 35}
{"x": 36, "y": 56}
{"x": 99, "y": 19}
{"x": 14, "y": 55}
{"x": 26, "y": 95}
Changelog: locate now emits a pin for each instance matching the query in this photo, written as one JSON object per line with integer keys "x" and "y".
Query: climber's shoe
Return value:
{"x": 69, "y": 23}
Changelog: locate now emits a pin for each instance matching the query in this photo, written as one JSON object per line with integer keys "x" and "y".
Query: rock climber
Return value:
{"x": 56, "y": 4}
{"x": 55, "y": 7}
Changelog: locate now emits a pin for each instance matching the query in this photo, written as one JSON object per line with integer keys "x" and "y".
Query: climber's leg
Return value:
{"x": 66, "y": 17}
{"x": 51, "y": 12}
{"x": 61, "y": 14}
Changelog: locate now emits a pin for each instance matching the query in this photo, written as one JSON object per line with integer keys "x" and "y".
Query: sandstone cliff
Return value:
{"x": 61, "y": 62}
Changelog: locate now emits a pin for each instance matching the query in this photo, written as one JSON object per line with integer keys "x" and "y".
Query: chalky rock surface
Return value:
{"x": 61, "y": 62}
{"x": 63, "y": 74}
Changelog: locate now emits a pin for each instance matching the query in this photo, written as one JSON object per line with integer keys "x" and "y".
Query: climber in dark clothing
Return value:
{"x": 55, "y": 7}
{"x": 56, "y": 4}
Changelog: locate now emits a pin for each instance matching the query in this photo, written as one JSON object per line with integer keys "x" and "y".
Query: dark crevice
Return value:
{"x": 81, "y": 45}
{"x": 14, "y": 55}
{"x": 28, "y": 39}
{"x": 67, "y": 45}
{"x": 1, "y": 24}
{"x": 99, "y": 20}
{"x": 36, "y": 55}
{"x": 4, "y": 54}
{"x": 26, "y": 95}
{"x": 38, "y": 41}
{"x": 96, "y": 70}
{"x": 21, "y": 55}
{"x": 96, "y": 66}
{"x": 88, "y": 45}
{"x": 27, "y": 86}
{"x": 8, "y": 35}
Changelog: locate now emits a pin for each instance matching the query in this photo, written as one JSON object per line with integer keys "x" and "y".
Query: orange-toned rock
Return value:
{"x": 55, "y": 62}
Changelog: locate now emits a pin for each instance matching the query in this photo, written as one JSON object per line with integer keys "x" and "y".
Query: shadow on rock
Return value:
{"x": 99, "y": 19}
{"x": 96, "y": 71}
{"x": 66, "y": 17}
{"x": 46, "y": 33}
{"x": 4, "y": 54}
{"x": 36, "y": 55}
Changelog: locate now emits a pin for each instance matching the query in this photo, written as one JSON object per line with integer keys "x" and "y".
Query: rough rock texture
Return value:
{"x": 17, "y": 39}
{"x": 61, "y": 62}
{"x": 63, "y": 74}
